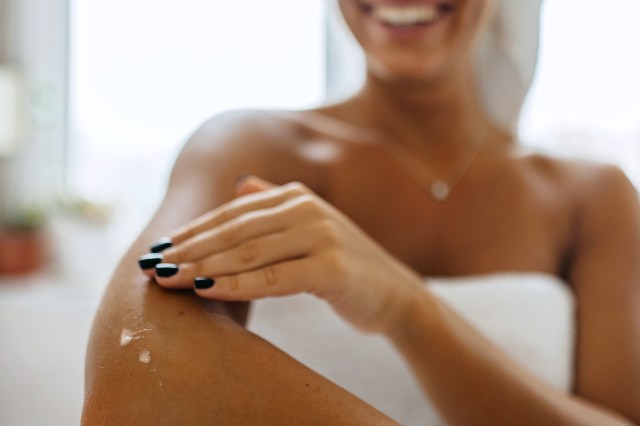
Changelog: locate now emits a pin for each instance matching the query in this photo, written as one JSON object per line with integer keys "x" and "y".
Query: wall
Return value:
{"x": 4, "y": 22}
{"x": 35, "y": 42}
{"x": 4, "y": 35}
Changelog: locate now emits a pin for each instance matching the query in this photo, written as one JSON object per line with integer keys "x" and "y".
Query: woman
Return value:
{"x": 407, "y": 178}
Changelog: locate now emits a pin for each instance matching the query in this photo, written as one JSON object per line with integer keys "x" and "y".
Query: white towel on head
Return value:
{"x": 507, "y": 59}
{"x": 529, "y": 316}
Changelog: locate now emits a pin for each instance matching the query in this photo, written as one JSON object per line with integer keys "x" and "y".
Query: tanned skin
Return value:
{"x": 515, "y": 210}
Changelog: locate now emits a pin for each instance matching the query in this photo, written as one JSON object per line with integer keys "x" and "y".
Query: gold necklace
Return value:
{"x": 439, "y": 188}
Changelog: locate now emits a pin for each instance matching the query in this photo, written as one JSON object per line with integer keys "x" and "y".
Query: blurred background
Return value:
{"x": 96, "y": 99}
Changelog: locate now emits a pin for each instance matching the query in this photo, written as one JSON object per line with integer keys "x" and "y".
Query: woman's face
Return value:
{"x": 416, "y": 39}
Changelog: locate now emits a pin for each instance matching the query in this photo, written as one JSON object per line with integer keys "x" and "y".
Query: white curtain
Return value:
{"x": 145, "y": 74}
{"x": 585, "y": 100}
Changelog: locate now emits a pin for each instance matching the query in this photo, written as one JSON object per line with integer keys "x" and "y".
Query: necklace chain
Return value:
{"x": 439, "y": 188}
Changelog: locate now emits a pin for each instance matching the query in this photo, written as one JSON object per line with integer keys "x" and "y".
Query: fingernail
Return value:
{"x": 166, "y": 270}
{"x": 202, "y": 283}
{"x": 150, "y": 260}
{"x": 161, "y": 244}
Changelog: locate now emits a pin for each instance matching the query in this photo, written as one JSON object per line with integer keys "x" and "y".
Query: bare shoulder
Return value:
{"x": 605, "y": 188}
{"x": 607, "y": 204}
{"x": 597, "y": 204}
{"x": 586, "y": 183}
{"x": 250, "y": 125}
{"x": 265, "y": 143}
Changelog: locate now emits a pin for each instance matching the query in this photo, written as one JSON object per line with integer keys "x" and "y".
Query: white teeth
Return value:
{"x": 406, "y": 15}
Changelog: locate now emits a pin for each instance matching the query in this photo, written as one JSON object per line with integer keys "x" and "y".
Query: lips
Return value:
{"x": 406, "y": 15}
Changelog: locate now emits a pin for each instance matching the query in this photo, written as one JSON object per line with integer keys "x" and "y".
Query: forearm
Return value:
{"x": 472, "y": 382}
{"x": 181, "y": 360}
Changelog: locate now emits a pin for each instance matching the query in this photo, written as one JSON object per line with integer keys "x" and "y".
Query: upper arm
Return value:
{"x": 605, "y": 275}
{"x": 199, "y": 366}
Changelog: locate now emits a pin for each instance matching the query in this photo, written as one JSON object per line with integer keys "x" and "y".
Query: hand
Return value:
{"x": 283, "y": 240}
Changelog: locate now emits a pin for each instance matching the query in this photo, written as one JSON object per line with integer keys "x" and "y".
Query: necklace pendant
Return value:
{"x": 440, "y": 190}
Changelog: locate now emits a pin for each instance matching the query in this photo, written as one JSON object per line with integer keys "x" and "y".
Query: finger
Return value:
{"x": 250, "y": 184}
{"x": 250, "y": 202}
{"x": 245, "y": 227}
{"x": 280, "y": 279}
{"x": 230, "y": 210}
{"x": 148, "y": 263}
{"x": 253, "y": 254}
{"x": 172, "y": 276}
{"x": 256, "y": 253}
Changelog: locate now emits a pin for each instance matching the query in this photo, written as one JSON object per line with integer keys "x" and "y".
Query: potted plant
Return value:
{"x": 22, "y": 242}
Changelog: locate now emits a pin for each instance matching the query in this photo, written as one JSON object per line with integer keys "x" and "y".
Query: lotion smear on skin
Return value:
{"x": 144, "y": 357}
{"x": 127, "y": 335}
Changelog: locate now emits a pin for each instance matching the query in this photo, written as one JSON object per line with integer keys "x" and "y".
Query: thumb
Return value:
{"x": 248, "y": 184}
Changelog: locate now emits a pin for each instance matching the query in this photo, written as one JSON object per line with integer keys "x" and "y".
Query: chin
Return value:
{"x": 414, "y": 39}
{"x": 413, "y": 68}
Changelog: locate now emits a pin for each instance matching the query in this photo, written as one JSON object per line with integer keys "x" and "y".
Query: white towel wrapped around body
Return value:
{"x": 529, "y": 316}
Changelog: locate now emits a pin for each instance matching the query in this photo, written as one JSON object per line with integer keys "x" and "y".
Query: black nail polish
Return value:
{"x": 166, "y": 270}
{"x": 161, "y": 244}
{"x": 150, "y": 260}
{"x": 202, "y": 283}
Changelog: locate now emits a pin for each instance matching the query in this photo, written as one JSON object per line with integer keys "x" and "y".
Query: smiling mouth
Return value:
{"x": 407, "y": 16}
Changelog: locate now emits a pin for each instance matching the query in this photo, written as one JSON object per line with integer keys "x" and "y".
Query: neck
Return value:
{"x": 426, "y": 115}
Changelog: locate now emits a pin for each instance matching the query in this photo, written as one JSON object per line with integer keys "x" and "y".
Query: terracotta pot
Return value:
{"x": 21, "y": 252}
